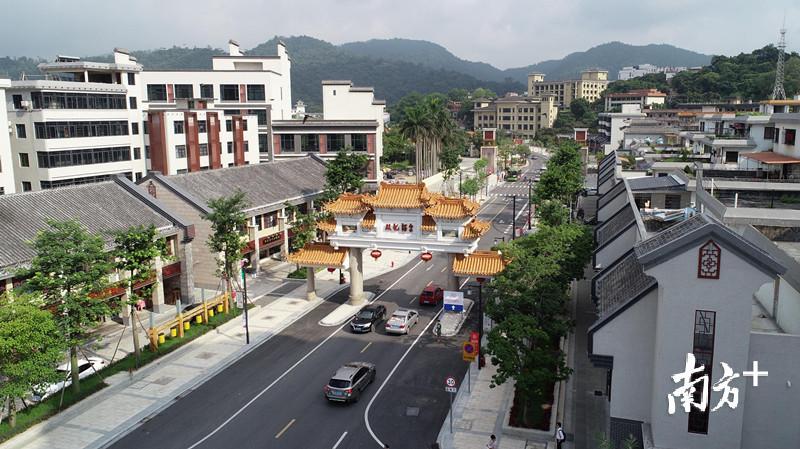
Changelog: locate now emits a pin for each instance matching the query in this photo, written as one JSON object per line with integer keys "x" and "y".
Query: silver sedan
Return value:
{"x": 401, "y": 321}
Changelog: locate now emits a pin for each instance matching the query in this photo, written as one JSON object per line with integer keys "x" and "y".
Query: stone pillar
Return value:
{"x": 452, "y": 279}
{"x": 356, "y": 276}
{"x": 187, "y": 275}
{"x": 285, "y": 230}
{"x": 158, "y": 291}
{"x": 255, "y": 257}
{"x": 311, "y": 287}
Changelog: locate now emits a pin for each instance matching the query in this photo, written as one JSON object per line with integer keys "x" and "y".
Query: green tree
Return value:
{"x": 563, "y": 178}
{"x": 552, "y": 213}
{"x": 451, "y": 162}
{"x": 481, "y": 93}
{"x": 345, "y": 173}
{"x": 470, "y": 186}
{"x": 304, "y": 226}
{"x": 228, "y": 239}
{"x": 135, "y": 251}
{"x": 396, "y": 147}
{"x": 70, "y": 272}
{"x": 30, "y": 348}
{"x": 481, "y": 166}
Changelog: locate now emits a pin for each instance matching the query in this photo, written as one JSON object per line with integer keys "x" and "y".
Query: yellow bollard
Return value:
{"x": 198, "y": 319}
{"x": 187, "y": 325}
{"x": 211, "y": 312}
{"x": 173, "y": 332}
{"x": 161, "y": 338}
{"x": 220, "y": 307}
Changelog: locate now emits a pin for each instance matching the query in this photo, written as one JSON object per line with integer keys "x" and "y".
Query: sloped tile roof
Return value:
{"x": 401, "y": 196}
{"x": 614, "y": 225}
{"x": 669, "y": 182}
{"x": 368, "y": 222}
{"x": 673, "y": 232}
{"x": 475, "y": 229}
{"x": 479, "y": 263}
{"x": 349, "y": 204}
{"x": 319, "y": 255}
{"x": 620, "y": 283}
{"x": 101, "y": 208}
{"x": 452, "y": 208}
{"x": 428, "y": 224}
{"x": 327, "y": 225}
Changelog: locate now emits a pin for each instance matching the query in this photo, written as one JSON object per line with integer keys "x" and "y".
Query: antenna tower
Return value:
{"x": 777, "y": 92}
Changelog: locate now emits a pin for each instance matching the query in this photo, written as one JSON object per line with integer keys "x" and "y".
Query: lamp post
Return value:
{"x": 459, "y": 184}
{"x": 513, "y": 217}
{"x": 245, "y": 263}
{"x": 480, "y": 320}
{"x": 530, "y": 204}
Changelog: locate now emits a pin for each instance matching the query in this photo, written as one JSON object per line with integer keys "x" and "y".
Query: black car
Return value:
{"x": 367, "y": 317}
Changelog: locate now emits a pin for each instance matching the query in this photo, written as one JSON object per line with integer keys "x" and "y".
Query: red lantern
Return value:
{"x": 426, "y": 257}
{"x": 331, "y": 269}
{"x": 480, "y": 280}
{"x": 376, "y": 253}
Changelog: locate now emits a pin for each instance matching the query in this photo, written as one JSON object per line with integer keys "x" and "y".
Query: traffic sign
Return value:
{"x": 473, "y": 337}
{"x": 450, "y": 381}
{"x": 453, "y": 301}
{"x": 451, "y": 389}
{"x": 469, "y": 351}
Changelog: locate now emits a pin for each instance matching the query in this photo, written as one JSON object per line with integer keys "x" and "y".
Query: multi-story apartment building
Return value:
{"x": 77, "y": 123}
{"x": 636, "y": 71}
{"x": 612, "y": 124}
{"x": 589, "y": 87}
{"x": 6, "y": 165}
{"x": 646, "y": 98}
{"x": 516, "y": 114}
{"x": 351, "y": 119}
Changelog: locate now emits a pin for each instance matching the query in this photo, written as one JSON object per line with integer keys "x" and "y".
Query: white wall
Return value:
{"x": 629, "y": 338}
{"x": 681, "y": 293}
{"x": 6, "y": 158}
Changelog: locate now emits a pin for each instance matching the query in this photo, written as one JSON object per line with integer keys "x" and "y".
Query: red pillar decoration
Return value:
{"x": 158, "y": 152}
{"x": 238, "y": 140}
{"x": 323, "y": 143}
{"x": 192, "y": 141}
{"x": 214, "y": 145}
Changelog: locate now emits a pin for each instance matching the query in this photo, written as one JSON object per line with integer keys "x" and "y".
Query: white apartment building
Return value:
{"x": 77, "y": 123}
{"x": 516, "y": 114}
{"x": 6, "y": 165}
{"x": 646, "y": 98}
{"x": 636, "y": 71}
{"x": 612, "y": 125}
{"x": 589, "y": 87}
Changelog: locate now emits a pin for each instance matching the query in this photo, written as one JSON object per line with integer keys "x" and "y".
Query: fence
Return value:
{"x": 180, "y": 323}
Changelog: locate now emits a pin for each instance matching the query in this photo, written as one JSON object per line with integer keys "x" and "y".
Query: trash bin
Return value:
{"x": 173, "y": 332}
{"x": 187, "y": 325}
{"x": 210, "y": 313}
{"x": 220, "y": 307}
{"x": 161, "y": 338}
{"x": 198, "y": 319}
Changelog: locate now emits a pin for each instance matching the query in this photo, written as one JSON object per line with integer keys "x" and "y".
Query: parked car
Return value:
{"x": 349, "y": 382}
{"x": 367, "y": 317}
{"x": 86, "y": 367}
{"x": 431, "y": 294}
{"x": 401, "y": 321}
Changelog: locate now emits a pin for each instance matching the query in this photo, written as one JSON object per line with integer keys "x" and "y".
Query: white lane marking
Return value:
{"x": 365, "y": 347}
{"x": 429, "y": 268}
{"x": 285, "y": 428}
{"x": 339, "y": 441}
{"x": 291, "y": 368}
{"x": 412, "y": 300}
{"x": 443, "y": 270}
{"x": 366, "y": 411}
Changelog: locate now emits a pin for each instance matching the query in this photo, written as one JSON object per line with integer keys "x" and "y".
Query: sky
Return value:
{"x": 504, "y": 33}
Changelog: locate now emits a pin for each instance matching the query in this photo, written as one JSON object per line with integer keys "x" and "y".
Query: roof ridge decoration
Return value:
{"x": 318, "y": 254}
{"x": 475, "y": 229}
{"x": 402, "y": 196}
{"x": 349, "y": 204}
{"x": 480, "y": 263}
{"x": 452, "y": 208}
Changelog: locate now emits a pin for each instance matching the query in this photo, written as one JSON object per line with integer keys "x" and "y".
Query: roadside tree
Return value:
{"x": 227, "y": 239}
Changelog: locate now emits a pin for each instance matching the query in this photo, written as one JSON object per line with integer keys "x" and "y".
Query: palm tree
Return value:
{"x": 416, "y": 126}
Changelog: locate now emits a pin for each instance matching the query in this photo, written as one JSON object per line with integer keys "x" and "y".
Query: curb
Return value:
{"x": 461, "y": 323}
{"x": 367, "y": 298}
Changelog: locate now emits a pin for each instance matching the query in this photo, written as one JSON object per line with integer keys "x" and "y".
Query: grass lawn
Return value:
{"x": 36, "y": 413}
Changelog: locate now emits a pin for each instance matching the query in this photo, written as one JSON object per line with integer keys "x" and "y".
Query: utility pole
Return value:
{"x": 459, "y": 184}
{"x": 513, "y": 217}
{"x": 530, "y": 203}
{"x": 480, "y": 320}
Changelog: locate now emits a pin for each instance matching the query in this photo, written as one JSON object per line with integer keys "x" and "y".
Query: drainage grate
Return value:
{"x": 205, "y": 355}
{"x": 598, "y": 393}
{"x": 164, "y": 380}
{"x": 412, "y": 411}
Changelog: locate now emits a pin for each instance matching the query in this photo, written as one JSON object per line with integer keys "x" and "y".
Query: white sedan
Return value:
{"x": 86, "y": 367}
{"x": 401, "y": 321}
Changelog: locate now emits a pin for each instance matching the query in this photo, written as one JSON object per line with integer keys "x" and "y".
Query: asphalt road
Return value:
{"x": 272, "y": 398}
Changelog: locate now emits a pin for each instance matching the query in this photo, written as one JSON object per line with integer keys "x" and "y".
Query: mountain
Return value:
{"x": 612, "y": 56}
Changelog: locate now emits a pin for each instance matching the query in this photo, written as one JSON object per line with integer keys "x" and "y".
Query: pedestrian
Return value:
{"x": 492, "y": 444}
{"x": 560, "y": 437}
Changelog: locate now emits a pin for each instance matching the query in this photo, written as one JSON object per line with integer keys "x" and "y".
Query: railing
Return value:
{"x": 181, "y": 323}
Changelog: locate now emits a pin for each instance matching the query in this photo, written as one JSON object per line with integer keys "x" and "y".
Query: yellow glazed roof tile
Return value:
{"x": 452, "y": 208}
{"x": 479, "y": 263}
{"x": 349, "y": 204}
{"x": 475, "y": 229}
{"x": 319, "y": 255}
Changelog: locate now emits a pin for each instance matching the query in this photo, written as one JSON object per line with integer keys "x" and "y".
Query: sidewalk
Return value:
{"x": 108, "y": 414}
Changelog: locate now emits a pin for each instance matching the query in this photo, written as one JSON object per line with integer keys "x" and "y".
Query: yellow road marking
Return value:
{"x": 285, "y": 428}
{"x": 365, "y": 347}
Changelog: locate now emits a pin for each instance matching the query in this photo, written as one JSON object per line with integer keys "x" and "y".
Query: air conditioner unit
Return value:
{"x": 26, "y": 105}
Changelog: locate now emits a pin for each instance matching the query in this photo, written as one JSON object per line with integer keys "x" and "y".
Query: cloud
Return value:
{"x": 504, "y": 33}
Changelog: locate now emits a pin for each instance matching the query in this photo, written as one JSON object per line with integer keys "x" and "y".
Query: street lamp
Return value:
{"x": 244, "y": 264}
{"x": 513, "y": 217}
{"x": 530, "y": 203}
{"x": 480, "y": 320}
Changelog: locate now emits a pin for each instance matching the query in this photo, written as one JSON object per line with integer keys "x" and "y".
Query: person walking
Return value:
{"x": 492, "y": 444}
{"x": 560, "y": 437}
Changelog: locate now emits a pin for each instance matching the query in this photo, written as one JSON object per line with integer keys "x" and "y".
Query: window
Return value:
{"x": 147, "y": 151}
{"x": 358, "y": 142}
{"x": 703, "y": 350}
{"x": 203, "y": 149}
{"x": 180, "y": 151}
{"x": 17, "y": 99}
{"x": 23, "y": 160}
{"x": 184, "y": 91}
{"x": 769, "y": 132}
{"x": 262, "y": 143}
{"x": 246, "y": 147}
{"x": 207, "y": 91}
{"x": 261, "y": 115}
{"x": 137, "y": 153}
{"x": 132, "y": 101}
{"x": 287, "y": 142}
{"x": 177, "y": 125}
{"x": 244, "y": 124}
{"x": 145, "y": 128}
{"x": 67, "y": 130}
{"x": 230, "y": 147}
{"x": 229, "y": 92}
{"x": 255, "y": 92}
{"x": 788, "y": 136}
{"x": 731, "y": 156}
{"x": 230, "y": 164}
{"x": 335, "y": 142}
{"x": 26, "y": 186}
{"x": 77, "y": 181}
{"x": 201, "y": 126}
{"x": 309, "y": 142}
{"x": 71, "y": 158}
{"x": 157, "y": 92}
{"x": 228, "y": 125}
{"x": 182, "y": 171}
{"x": 131, "y": 79}
{"x": 21, "y": 133}
{"x": 135, "y": 128}
{"x": 138, "y": 176}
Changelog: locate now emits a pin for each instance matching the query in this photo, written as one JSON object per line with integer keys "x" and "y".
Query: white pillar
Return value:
{"x": 285, "y": 230}
{"x": 311, "y": 288}
{"x": 452, "y": 279}
{"x": 356, "y": 276}
{"x": 158, "y": 291}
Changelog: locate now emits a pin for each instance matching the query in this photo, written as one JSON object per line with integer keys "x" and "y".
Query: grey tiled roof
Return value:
{"x": 263, "y": 184}
{"x": 668, "y": 182}
{"x": 615, "y": 224}
{"x": 611, "y": 194}
{"x": 620, "y": 283}
{"x": 671, "y": 233}
{"x": 102, "y": 209}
